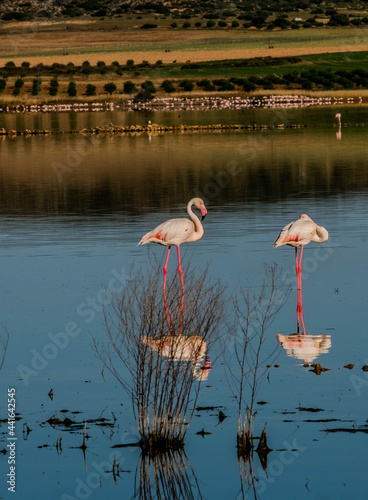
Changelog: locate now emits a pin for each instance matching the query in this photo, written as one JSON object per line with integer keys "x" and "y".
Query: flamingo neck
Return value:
{"x": 198, "y": 225}
{"x": 321, "y": 235}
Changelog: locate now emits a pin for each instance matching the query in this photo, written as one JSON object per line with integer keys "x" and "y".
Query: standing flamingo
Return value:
{"x": 338, "y": 133}
{"x": 174, "y": 232}
{"x": 297, "y": 234}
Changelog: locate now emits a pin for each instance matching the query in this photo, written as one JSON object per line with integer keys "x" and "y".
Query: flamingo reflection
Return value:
{"x": 305, "y": 347}
{"x": 301, "y": 345}
{"x": 181, "y": 348}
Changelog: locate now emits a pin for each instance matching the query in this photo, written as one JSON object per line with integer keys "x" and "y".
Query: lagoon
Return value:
{"x": 72, "y": 210}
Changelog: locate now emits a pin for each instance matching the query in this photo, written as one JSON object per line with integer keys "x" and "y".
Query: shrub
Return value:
{"x": 186, "y": 25}
{"x": 148, "y": 26}
{"x": 148, "y": 85}
{"x": 101, "y": 65}
{"x": 86, "y": 68}
{"x": 72, "y": 89}
{"x": 129, "y": 87}
{"x": 110, "y": 87}
{"x": 174, "y": 25}
{"x": 54, "y": 86}
{"x": 9, "y": 64}
{"x": 235, "y": 24}
{"x": 210, "y": 24}
{"x": 18, "y": 85}
{"x": 223, "y": 84}
{"x": 198, "y": 24}
{"x": 222, "y": 24}
{"x": 70, "y": 68}
{"x": 339, "y": 20}
{"x": 206, "y": 85}
{"x": 186, "y": 85}
{"x": 143, "y": 95}
{"x": 36, "y": 86}
{"x": 211, "y": 15}
{"x": 130, "y": 63}
{"x": 25, "y": 64}
{"x": 2, "y": 84}
{"x": 90, "y": 89}
{"x": 167, "y": 86}
{"x": 248, "y": 86}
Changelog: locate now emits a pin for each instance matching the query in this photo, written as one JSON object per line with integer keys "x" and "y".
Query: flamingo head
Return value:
{"x": 199, "y": 203}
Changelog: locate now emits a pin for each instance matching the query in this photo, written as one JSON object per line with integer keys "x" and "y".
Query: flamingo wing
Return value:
{"x": 171, "y": 232}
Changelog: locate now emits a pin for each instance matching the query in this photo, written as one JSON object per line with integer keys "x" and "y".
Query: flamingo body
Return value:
{"x": 172, "y": 232}
{"x": 297, "y": 234}
{"x": 175, "y": 232}
{"x": 178, "y": 231}
{"x": 301, "y": 232}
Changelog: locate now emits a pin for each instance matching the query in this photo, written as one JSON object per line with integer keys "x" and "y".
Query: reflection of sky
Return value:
{"x": 51, "y": 265}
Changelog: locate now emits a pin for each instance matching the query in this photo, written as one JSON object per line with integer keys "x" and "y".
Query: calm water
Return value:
{"x": 72, "y": 210}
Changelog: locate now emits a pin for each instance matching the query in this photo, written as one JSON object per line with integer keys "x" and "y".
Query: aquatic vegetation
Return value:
{"x": 158, "y": 362}
{"x": 246, "y": 359}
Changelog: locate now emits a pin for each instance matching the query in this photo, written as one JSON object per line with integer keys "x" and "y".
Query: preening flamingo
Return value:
{"x": 174, "y": 232}
{"x": 297, "y": 234}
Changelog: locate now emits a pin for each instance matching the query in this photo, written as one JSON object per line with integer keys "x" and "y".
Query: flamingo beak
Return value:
{"x": 203, "y": 211}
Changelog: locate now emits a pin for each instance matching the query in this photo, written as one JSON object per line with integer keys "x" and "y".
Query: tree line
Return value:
{"x": 312, "y": 79}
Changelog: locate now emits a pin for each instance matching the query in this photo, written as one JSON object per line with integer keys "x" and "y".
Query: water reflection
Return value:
{"x": 168, "y": 476}
{"x": 301, "y": 345}
{"x": 305, "y": 347}
{"x": 82, "y": 174}
{"x": 4, "y": 340}
{"x": 183, "y": 348}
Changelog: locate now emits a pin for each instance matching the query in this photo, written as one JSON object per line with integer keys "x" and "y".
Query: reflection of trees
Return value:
{"x": 86, "y": 187}
{"x": 4, "y": 340}
{"x": 143, "y": 354}
{"x": 167, "y": 476}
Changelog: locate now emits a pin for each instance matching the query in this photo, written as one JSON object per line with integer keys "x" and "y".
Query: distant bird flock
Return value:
{"x": 188, "y": 103}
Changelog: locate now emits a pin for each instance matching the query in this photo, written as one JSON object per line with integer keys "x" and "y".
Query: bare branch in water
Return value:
{"x": 244, "y": 354}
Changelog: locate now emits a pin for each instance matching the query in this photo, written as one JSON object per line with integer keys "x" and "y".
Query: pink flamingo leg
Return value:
{"x": 299, "y": 281}
{"x": 300, "y": 312}
{"x": 300, "y": 267}
{"x": 182, "y": 293}
{"x": 164, "y": 288}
